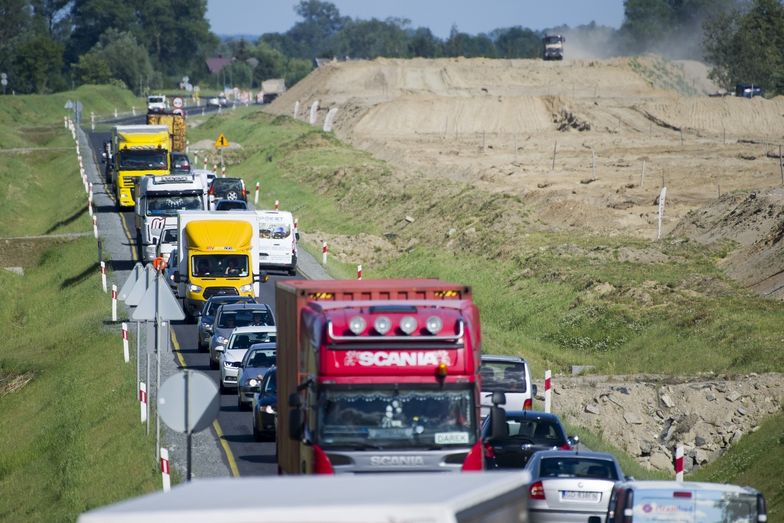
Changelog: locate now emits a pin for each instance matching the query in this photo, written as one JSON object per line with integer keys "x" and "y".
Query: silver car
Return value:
{"x": 570, "y": 486}
{"x": 242, "y": 338}
{"x": 233, "y": 315}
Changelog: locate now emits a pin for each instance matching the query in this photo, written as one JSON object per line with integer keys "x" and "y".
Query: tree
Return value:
{"x": 516, "y": 42}
{"x": 92, "y": 69}
{"x": 37, "y": 64}
{"x": 424, "y": 44}
{"x": 371, "y": 38}
{"x": 312, "y": 36}
{"x": 463, "y": 44}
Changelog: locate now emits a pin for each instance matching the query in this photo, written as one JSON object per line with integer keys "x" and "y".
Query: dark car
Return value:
{"x": 265, "y": 405}
{"x": 230, "y": 205}
{"x": 233, "y": 315}
{"x": 228, "y": 189}
{"x": 255, "y": 364}
{"x": 180, "y": 163}
{"x": 207, "y": 315}
{"x": 526, "y": 432}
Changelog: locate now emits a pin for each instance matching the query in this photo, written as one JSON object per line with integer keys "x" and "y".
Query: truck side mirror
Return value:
{"x": 263, "y": 277}
{"x": 498, "y": 426}
{"x": 499, "y": 398}
{"x": 295, "y": 417}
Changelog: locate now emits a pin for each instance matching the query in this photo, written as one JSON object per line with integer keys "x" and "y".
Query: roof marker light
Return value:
{"x": 434, "y": 325}
{"x": 382, "y": 325}
{"x": 357, "y": 325}
{"x": 408, "y": 324}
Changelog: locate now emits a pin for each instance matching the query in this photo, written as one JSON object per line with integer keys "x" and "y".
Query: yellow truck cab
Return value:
{"x": 217, "y": 256}
{"x": 138, "y": 150}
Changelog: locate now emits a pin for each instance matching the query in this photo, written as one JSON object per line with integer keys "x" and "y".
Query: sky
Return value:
{"x": 255, "y": 17}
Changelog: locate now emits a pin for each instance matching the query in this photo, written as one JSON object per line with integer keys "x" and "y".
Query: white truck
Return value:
{"x": 362, "y": 498}
{"x": 217, "y": 255}
{"x": 277, "y": 241}
{"x": 157, "y": 200}
{"x": 157, "y": 103}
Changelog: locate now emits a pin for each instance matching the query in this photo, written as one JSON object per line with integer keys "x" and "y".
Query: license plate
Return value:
{"x": 578, "y": 495}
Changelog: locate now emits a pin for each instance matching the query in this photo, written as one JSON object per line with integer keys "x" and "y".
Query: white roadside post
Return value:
{"x": 143, "y": 400}
{"x": 548, "y": 398}
{"x": 126, "y": 352}
{"x": 95, "y": 226}
{"x": 256, "y": 196}
{"x": 324, "y": 251}
{"x": 296, "y": 109}
{"x": 679, "y": 463}
{"x": 103, "y": 276}
{"x": 277, "y": 204}
{"x": 662, "y": 196}
{"x": 92, "y": 121}
{"x": 115, "y": 112}
{"x": 165, "y": 469}
{"x": 359, "y": 272}
{"x": 114, "y": 303}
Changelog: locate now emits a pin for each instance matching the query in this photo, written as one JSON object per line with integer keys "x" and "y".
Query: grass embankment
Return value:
{"x": 70, "y": 437}
{"x": 620, "y": 304}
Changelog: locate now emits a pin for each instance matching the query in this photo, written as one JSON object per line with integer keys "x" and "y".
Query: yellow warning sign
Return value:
{"x": 221, "y": 141}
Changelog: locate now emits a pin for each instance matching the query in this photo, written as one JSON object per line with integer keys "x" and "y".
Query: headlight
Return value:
{"x": 221, "y": 340}
{"x": 207, "y": 326}
{"x": 227, "y": 364}
{"x": 194, "y": 288}
{"x": 252, "y": 382}
{"x": 247, "y": 288}
{"x": 269, "y": 409}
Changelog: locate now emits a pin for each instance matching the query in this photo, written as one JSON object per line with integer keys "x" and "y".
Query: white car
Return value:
{"x": 510, "y": 375}
{"x": 240, "y": 341}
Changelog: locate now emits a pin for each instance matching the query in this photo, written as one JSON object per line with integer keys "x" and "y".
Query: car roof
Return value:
{"x": 501, "y": 358}
{"x": 233, "y": 299}
{"x": 685, "y": 485}
{"x": 245, "y": 306}
{"x": 266, "y": 345}
{"x": 534, "y": 414}
{"x": 592, "y": 454}
{"x": 254, "y": 328}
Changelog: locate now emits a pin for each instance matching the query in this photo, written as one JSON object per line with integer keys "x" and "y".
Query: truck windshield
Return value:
{"x": 142, "y": 160}
{"x": 220, "y": 265}
{"x": 169, "y": 205}
{"x": 402, "y": 418}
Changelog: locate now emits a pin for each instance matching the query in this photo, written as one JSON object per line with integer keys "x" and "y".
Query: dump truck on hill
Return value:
{"x": 271, "y": 89}
{"x": 553, "y": 47}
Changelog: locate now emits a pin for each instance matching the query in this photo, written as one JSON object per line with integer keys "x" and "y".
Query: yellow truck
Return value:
{"x": 138, "y": 150}
{"x": 217, "y": 255}
{"x": 175, "y": 123}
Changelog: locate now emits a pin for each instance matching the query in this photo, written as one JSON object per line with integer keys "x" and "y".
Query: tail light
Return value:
{"x": 321, "y": 463}
{"x": 473, "y": 461}
{"x": 528, "y": 404}
{"x": 536, "y": 491}
{"x": 565, "y": 446}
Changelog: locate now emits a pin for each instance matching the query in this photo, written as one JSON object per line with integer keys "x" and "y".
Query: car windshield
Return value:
{"x": 577, "y": 467}
{"x": 272, "y": 383}
{"x": 230, "y": 205}
{"x": 246, "y": 339}
{"x": 545, "y": 432}
{"x": 502, "y": 376}
{"x": 220, "y": 265}
{"x": 230, "y": 319}
{"x": 223, "y": 185}
{"x": 142, "y": 160}
{"x": 213, "y": 305}
{"x": 169, "y": 205}
{"x": 260, "y": 357}
{"x": 169, "y": 236}
{"x": 396, "y": 418}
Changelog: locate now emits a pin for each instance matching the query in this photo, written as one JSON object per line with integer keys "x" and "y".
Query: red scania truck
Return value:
{"x": 377, "y": 376}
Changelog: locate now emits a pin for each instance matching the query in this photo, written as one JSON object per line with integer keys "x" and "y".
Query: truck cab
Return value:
{"x": 157, "y": 200}
{"x": 138, "y": 150}
{"x": 217, "y": 256}
{"x": 553, "y": 47}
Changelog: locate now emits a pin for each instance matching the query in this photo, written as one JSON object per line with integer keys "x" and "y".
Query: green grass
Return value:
{"x": 70, "y": 438}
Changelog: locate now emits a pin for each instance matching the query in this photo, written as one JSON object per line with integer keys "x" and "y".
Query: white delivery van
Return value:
{"x": 277, "y": 241}
{"x": 157, "y": 103}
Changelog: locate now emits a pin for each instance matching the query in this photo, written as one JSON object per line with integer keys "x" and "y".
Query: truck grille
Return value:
{"x": 209, "y": 292}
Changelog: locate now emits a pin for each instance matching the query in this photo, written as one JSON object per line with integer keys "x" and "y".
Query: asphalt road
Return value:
{"x": 240, "y": 453}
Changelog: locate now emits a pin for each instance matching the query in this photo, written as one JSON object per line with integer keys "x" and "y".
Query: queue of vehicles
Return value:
{"x": 367, "y": 375}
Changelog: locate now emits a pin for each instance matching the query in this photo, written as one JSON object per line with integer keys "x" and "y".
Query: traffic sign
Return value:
{"x": 138, "y": 269}
{"x": 221, "y": 141}
{"x": 158, "y": 303}
{"x": 203, "y": 401}
{"x": 177, "y": 102}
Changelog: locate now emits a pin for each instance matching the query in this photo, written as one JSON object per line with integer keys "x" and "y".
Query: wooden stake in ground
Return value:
{"x": 781, "y": 166}
{"x": 642, "y": 176}
{"x": 555, "y": 148}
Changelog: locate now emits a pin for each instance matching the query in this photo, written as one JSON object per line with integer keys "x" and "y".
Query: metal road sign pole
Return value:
{"x": 157, "y": 369}
{"x": 148, "y": 388}
{"x": 188, "y": 430}
{"x": 138, "y": 353}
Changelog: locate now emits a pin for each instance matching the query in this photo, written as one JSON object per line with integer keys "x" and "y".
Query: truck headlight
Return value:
{"x": 247, "y": 288}
{"x": 194, "y": 288}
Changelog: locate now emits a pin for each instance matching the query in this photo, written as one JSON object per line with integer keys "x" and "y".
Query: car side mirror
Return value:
{"x": 574, "y": 440}
{"x": 296, "y": 235}
{"x": 220, "y": 348}
{"x": 534, "y": 389}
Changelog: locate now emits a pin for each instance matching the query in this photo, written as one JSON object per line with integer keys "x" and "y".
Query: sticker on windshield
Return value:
{"x": 448, "y": 438}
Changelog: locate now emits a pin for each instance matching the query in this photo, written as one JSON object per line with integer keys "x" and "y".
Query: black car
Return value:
{"x": 228, "y": 189}
{"x": 265, "y": 407}
{"x": 527, "y": 432}
{"x": 230, "y": 205}
{"x": 207, "y": 316}
{"x": 180, "y": 163}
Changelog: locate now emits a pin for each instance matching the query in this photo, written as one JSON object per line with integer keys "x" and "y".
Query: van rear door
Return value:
{"x": 277, "y": 244}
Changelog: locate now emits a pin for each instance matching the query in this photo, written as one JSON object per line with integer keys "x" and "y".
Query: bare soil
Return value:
{"x": 587, "y": 145}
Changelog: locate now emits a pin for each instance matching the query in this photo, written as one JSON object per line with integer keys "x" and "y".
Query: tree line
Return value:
{"x": 53, "y": 45}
